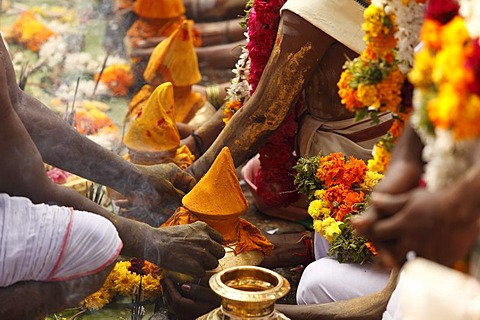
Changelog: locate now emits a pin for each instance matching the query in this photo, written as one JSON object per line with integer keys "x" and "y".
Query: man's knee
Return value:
{"x": 76, "y": 290}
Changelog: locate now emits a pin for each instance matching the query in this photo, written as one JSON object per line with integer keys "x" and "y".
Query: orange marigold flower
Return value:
{"x": 230, "y": 108}
{"x": 371, "y": 247}
{"x": 29, "y": 31}
{"x": 118, "y": 78}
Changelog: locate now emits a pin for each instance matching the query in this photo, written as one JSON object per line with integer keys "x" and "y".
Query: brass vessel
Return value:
{"x": 247, "y": 292}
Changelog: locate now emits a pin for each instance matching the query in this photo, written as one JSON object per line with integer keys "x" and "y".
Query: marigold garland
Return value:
{"x": 122, "y": 281}
{"x": 376, "y": 80}
{"x": 336, "y": 186}
{"x": 447, "y": 90}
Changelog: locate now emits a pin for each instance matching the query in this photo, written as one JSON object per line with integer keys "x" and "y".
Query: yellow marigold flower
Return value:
{"x": 317, "y": 225}
{"x": 318, "y": 194}
{"x": 444, "y": 109}
{"x": 29, "y": 31}
{"x": 124, "y": 281}
{"x": 319, "y": 209}
{"x": 151, "y": 287}
{"x": 454, "y": 32}
{"x": 381, "y": 158}
{"x": 330, "y": 228}
{"x": 371, "y": 179}
{"x": 420, "y": 75}
{"x": 97, "y": 300}
{"x": 367, "y": 93}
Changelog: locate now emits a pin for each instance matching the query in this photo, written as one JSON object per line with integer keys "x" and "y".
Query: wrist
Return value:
{"x": 139, "y": 185}
{"x": 198, "y": 143}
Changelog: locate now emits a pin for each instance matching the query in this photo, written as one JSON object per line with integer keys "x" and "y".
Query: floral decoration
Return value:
{"x": 274, "y": 179}
{"x": 337, "y": 188}
{"x": 376, "y": 81}
{"x": 30, "y": 31}
{"x": 118, "y": 78}
{"x": 447, "y": 90}
{"x": 123, "y": 280}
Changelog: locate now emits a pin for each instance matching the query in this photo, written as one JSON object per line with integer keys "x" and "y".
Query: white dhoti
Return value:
{"x": 40, "y": 242}
{"x": 327, "y": 280}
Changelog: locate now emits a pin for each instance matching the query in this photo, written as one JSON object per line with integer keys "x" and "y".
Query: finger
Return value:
{"x": 169, "y": 291}
{"x": 184, "y": 181}
{"x": 388, "y": 204}
{"x": 390, "y": 228}
{"x": 363, "y": 222}
{"x": 209, "y": 261}
{"x": 124, "y": 203}
{"x": 217, "y": 250}
{"x": 214, "y": 234}
{"x": 199, "y": 293}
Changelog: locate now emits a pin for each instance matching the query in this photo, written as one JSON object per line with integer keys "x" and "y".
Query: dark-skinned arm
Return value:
{"x": 190, "y": 249}
{"x": 291, "y": 64}
{"x": 206, "y": 134}
{"x": 158, "y": 187}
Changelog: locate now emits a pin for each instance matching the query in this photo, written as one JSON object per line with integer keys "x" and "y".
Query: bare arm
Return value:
{"x": 45, "y": 298}
{"x": 297, "y": 51}
{"x": 370, "y": 307}
{"x": 402, "y": 214}
{"x": 221, "y": 56}
{"x": 60, "y": 145}
{"x": 206, "y": 134}
{"x": 189, "y": 249}
{"x": 202, "y": 10}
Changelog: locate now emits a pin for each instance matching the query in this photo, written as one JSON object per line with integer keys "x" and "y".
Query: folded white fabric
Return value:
{"x": 51, "y": 243}
{"x": 427, "y": 290}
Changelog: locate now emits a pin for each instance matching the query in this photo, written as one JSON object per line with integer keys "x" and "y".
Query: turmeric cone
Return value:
{"x": 218, "y": 200}
{"x": 159, "y": 9}
{"x": 154, "y": 128}
{"x": 174, "y": 59}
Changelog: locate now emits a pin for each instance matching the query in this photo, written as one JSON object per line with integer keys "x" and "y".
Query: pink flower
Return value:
{"x": 57, "y": 175}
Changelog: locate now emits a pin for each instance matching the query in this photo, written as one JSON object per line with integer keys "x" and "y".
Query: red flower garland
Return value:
{"x": 274, "y": 179}
{"x": 442, "y": 10}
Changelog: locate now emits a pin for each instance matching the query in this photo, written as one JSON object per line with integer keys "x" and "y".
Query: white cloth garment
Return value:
{"x": 427, "y": 290}
{"x": 341, "y": 19}
{"x": 42, "y": 242}
{"x": 327, "y": 280}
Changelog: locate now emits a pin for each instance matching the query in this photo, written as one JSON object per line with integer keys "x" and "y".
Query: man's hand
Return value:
{"x": 158, "y": 195}
{"x": 190, "y": 301}
{"x": 438, "y": 226}
{"x": 191, "y": 249}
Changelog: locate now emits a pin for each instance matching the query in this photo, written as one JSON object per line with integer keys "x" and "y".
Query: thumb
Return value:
{"x": 199, "y": 293}
{"x": 184, "y": 181}
{"x": 386, "y": 204}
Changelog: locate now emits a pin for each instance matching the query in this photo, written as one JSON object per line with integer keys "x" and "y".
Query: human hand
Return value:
{"x": 440, "y": 226}
{"x": 158, "y": 195}
{"x": 189, "y": 301}
{"x": 144, "y": 48}
{"x": 190, "y": 249}
{"x": 184, "y": 129}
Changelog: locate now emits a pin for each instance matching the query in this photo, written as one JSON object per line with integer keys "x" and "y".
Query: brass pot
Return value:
{"x": 247, "y": 292}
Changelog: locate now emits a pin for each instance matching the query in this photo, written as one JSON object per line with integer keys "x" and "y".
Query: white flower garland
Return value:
{"x": 240, "y": 88}
{"x": 446, "y": 158}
